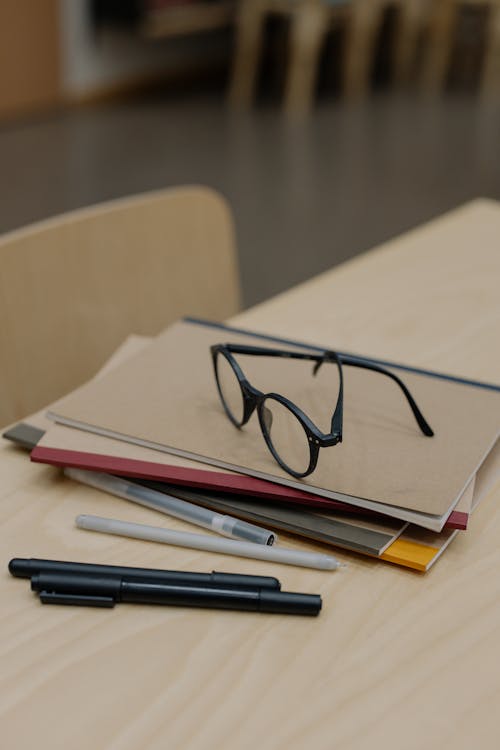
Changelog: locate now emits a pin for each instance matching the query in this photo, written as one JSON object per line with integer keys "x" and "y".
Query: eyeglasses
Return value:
{"x": 293, "y": 439}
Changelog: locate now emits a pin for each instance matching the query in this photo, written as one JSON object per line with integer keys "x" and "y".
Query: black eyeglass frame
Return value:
{"x": 253, "y": 399}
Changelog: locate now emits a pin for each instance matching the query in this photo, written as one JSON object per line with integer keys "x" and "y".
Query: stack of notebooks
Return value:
{"x": 387, "y": 491}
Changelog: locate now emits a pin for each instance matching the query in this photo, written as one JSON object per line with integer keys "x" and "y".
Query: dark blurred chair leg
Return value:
{"x": 308, "y": 30}
{"x": 250, "y": 24}
{"x": 364, "y": 24}
{"x": 490, "y": 82}
{"x": 439, "y": 45}
{"x": 409, "y": 26}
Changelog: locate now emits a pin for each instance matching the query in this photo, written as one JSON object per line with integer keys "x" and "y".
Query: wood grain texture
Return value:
{"x": 73, "y": 287}
{"x": 395, "y": 660}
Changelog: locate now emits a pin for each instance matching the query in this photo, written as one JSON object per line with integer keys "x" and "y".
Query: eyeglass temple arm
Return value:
{"x": 265, "y": 352}
{"x": 422, "y": 422}
{"x": 330, "y": 356}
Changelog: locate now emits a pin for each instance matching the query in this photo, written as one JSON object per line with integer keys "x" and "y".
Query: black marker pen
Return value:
{"x": 106, "y": 591}
{"x": 26, "y": 568}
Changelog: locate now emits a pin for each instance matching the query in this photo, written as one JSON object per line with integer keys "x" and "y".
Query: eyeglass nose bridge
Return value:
{"x": 251, "y": 399}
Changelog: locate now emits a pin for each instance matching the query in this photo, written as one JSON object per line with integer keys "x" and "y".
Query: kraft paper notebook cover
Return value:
{"x": 165, "y": 398}
{"x": 65, "y": 446}
{"x": 78, "y": 448}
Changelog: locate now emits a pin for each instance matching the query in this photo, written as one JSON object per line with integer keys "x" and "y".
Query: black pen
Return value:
{"x": 26, "y": 568}
{"x": 106, "y": 591}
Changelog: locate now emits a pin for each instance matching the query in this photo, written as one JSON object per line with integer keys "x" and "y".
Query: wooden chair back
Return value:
{"x": 73, "y": 287}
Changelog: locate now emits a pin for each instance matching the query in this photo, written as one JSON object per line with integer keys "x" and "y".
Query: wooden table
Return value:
{"x": 395, "y": 660}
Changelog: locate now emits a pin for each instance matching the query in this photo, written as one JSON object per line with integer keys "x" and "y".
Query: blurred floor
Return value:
{"x": 306, "y": 196}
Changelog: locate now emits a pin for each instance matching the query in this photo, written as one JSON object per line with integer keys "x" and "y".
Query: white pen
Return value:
{"x": 173, "y": 506}
{"x": 208, "y": 543}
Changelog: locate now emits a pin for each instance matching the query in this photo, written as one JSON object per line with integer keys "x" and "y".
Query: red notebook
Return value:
{"x": 208, "y": 480}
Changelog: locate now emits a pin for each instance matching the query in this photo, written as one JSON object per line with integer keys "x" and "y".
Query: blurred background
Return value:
{"x": 329, "y": 125}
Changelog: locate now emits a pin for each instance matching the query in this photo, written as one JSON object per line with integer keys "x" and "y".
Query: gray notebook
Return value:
{"x": 368, "y": 535}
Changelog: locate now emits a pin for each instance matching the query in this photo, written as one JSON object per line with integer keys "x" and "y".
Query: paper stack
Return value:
{"x": 386, "y": 490}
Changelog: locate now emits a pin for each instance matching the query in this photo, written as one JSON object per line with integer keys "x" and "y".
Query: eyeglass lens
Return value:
{"x": 230, "y": 389}
{"x": 287, "y": 435}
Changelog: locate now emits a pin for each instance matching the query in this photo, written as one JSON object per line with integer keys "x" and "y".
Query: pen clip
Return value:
{"x": 52, "y": 597}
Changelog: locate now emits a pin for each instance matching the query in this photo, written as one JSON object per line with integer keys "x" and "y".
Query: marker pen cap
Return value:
{"x": 290, "y": 603}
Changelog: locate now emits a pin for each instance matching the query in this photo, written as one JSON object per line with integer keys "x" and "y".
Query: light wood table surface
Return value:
{"x": 395, "y": 660}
